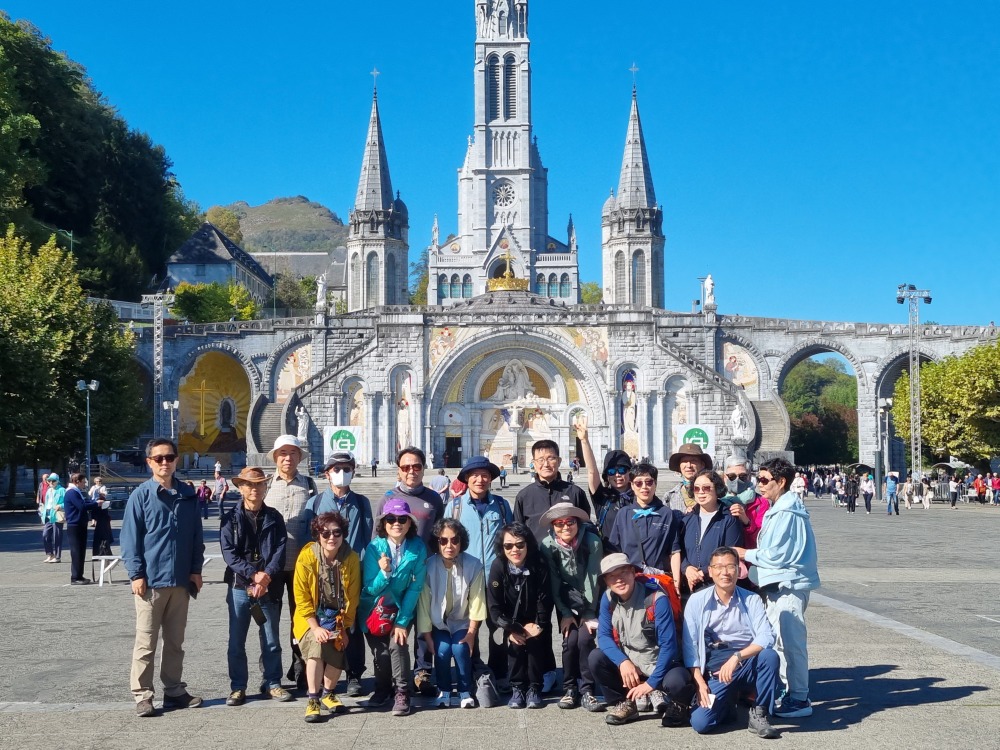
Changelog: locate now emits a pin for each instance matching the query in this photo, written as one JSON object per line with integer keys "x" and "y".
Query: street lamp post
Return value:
{"x": 172, "y": 407}
{"x": 910, "y": 293}
{"x": 83, "y": 385}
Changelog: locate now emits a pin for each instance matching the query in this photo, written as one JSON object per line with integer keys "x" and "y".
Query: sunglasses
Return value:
{"x": 508, "y": 546}
{"x": 564, "y": 522}
{"x": 764, "y": 480}
{"x": 616, "y": 470}
{"x": 643, "y": 482}
{"x": 335, "y": 533}
{"x": 742, "y": 477}
{"x": 704, "y": 490}
{"x": 444, "y": 541}
{"x": 390, "y": 519}
{"x": 411, "y": 468}
{"x": 166, "y": 458}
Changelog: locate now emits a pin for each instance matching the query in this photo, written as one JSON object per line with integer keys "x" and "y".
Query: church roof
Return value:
{"x": 375, "y": 186}
{"x": 635, "y": 187}
{"x": 208, "y": 245}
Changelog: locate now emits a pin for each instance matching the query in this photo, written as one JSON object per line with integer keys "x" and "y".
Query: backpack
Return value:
{"x": 657, "y": 585}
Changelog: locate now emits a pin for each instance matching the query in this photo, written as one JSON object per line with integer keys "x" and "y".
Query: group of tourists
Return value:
{"x": 679, "y": 606}
{"x": 74, "y": 509}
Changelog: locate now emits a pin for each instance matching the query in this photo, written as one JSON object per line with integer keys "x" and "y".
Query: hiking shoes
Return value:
{"x": 313, "y": 711}
{"x": 622, "y": 713}
{"x": 331, "y": 703}
{"x": 184, "y": 700}
{"x": 759, "y": 724}
{"x": 237, "y": 698}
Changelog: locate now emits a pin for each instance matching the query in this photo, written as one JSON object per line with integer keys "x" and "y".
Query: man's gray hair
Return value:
{"x": 737, "y": 461}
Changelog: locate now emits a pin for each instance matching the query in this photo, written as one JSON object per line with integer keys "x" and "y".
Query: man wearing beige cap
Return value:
{"x": 289, "y": 493}
{"x": 688, "y": 461}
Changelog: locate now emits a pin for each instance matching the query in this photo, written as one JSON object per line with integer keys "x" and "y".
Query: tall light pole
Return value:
{"x": 83, "y": 385}
{"x": 159, "y": 301}
{"x": 172, "y": 407}
{"x": 910, "y": 293}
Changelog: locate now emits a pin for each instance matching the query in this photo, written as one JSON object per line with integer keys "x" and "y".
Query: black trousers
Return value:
{"x": 677, "y": 683}
{"x": 77, "y": 537}
{"x": 297, "y": 669}
{"x": 355, "y": 653}
{"x": 576, "y": 648}
{"x": 526, "y": 664}
{"x": 852, "y": 503}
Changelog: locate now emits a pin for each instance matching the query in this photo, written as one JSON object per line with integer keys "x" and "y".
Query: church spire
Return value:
{"x": 635, "y": 187}
{"x": 374, "y": 187}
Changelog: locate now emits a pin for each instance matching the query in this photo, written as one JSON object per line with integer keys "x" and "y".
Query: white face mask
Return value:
{"x": 341, "y": 478}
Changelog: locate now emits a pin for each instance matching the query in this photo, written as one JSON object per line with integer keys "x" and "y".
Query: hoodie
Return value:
{"x": 786, "y": 547}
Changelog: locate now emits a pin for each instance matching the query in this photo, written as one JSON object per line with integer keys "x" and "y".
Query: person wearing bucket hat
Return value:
{"x": 393, "y": 574}
{"x": 289, "y": 492}
{"x": 252, "y": 539}
{"x": 573, "y": 553}
{"x": 609, "y": 489}
{"x": 482, "y": 514}
{"x": 357, "y": 510}
{"x": 52, "y": 527}
{"x": 687, "y": 461}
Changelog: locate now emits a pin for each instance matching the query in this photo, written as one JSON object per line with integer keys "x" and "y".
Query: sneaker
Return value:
{"x": 422, "y": 683}
{"x": 533, "y": 699}
{"x": 675, "y": 715}
{"x": 622, "y": 713}
{"x": 401, "y": 705}
{"x": 331, "y": 703}
{"x": 378, "y": 699}
{"x": 548, "y": 682}
{"x": 658, "y": 701}
{"x": 516, "y": 699}
{"x": 354, "y": 688}
{"x": 48, "y": 558}
{"x": 759, "y": 724}
{"x": 465, "y": 700}
{"x": 791, "y": 708}
{"x": 237, "y": 698}
{"x": 313, "y": 711}
{"x": 503, "y": 686}
{"x": 443, "y": 700}
{"x": 145, "y": 708}
{"x": 279, "y": 694}
{"x": 79, "y": 582}
{"x": 643, "y": 704}
{"x": 592, "y": 703}
{"x": 184, "y": 700}
{"x": 570, "y": 700}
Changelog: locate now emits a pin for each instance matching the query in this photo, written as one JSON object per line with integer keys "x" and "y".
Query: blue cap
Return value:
{"x": 475, "y": 464}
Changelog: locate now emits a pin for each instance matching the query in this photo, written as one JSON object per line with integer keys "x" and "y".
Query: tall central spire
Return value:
{"x": 635, "y": 187}
{"x": 374, "y": 187}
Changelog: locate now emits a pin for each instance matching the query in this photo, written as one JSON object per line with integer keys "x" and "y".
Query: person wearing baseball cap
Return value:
{"x": 688, "y": 461}
{"x": 635, "y": 657}
{"x": 356, "y": 508}
{"x": 609, "y": 489}
{"x": 289, "y": 492}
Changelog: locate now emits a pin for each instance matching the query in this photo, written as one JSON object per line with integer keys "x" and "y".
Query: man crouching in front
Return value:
{"x": 728, "y": 647}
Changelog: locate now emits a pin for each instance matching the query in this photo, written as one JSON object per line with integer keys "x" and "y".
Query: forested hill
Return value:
{"x": 289, "y": 225}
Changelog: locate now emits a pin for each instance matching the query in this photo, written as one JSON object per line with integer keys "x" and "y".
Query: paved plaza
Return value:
{"x": 903, "y": 644}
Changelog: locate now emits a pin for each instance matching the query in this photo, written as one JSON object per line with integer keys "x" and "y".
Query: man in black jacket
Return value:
{"x": 252, "y": 539}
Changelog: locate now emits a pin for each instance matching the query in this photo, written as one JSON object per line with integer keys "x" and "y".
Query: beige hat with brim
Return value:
{"x": 564, "y": 510}
{"x": 614, "y": 561}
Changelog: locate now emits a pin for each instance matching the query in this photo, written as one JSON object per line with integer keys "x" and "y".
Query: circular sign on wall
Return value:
{"x": 343, "y": 440}
{"x": 697, "y": 436}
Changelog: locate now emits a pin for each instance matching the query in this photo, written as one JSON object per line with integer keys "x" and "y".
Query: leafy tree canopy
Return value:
{"x": 822, "y": 401}
{"x": 227, "y": 222}
{"x": 590, "y": 293}
{"x": 214, "y": 303}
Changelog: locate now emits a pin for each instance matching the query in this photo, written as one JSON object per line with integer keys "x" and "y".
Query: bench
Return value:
{"x": 108, "y": 563}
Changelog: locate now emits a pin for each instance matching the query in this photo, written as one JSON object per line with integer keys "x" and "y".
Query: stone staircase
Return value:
{"x": 268, "y": 426}
{"x": 772, "y": 426}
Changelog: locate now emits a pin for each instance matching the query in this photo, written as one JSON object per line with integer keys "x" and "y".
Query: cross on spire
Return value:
{"x": 634, "y": 69}
{"x": 375, "y": 74}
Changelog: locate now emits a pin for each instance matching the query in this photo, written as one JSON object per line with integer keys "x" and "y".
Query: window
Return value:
{"x": 510, "y": 87}
{"x": 493, "y": 89}
{"x": 564, "y": 286}
{"x": 199, "y": 270}
{"x": 620, "y": 287}
{"x": 390, "y": 280}
{"x": 553, "y": 285}
{"x": 443, "y": 287}
{"x": 540, "y": 286}
{"x": 639, "y": 278}
{"x": 467, "y": 286}
{"x": 456, "y": 286}
{"x": 356, "y": 282}
{"x": 371, "y": 281}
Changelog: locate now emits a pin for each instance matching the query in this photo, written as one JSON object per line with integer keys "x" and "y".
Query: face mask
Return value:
{"x": 341, "y": 478}
{"x": 736, "y": 486}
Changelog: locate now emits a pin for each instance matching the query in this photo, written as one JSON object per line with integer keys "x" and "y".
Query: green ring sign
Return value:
{"x": 697, "y": 436}
{"x": 343, "y": 440}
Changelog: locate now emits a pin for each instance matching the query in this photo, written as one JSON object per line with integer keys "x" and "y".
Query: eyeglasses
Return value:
{"x": 703, "y": 490}
{"x": 742, "y": 477}
{"x": 390, "y": 519}
{"x": 644, "y": 482}
{"x": 547, "y": 460}
{"x": 764, "y": 480}
{"x": 724, "y": 568}
{"x": 335, "y": 533}
{"x": 165, "y": 458}
{"x": 411, "y": 468}
{"x": 508, "y": 546}
{"x": 616, "y": 470}
{"x": 564, "y": 522}
{"x": 445, "y": 541}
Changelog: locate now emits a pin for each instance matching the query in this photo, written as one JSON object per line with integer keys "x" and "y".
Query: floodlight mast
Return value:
{"x": 909, "y": 293}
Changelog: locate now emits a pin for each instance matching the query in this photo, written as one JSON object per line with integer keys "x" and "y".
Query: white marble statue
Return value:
{"x": 742, "y": 430}
{"x": 321, "y": 290}
{"x": 302, "y": 424}
{"x": 709, "y": 290}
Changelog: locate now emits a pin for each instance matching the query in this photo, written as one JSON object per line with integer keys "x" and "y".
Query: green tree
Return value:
{"x": 292, "y": 293}
{"x": 51, "y": 337}
{"x": 590, "y": 293}
{"x": 227, "y": 222}
{"x": 822, "y": 401}
{"x": 959, "y": 405}
{"x": 214, "y": 303}
{"x": 419, "y": 278}
{"x": 17, "y": 130}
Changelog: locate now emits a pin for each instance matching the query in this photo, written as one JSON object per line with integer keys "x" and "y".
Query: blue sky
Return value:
{"x": 811, "y": 156}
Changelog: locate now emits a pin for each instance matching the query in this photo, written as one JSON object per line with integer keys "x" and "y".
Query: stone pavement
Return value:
{"x": 903, "y": 649}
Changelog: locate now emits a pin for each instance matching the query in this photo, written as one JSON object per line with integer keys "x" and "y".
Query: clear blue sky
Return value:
{"x": 811, "y": 156}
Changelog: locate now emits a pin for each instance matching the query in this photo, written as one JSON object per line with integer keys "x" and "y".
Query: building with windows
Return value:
{"x": 208, "y": 255}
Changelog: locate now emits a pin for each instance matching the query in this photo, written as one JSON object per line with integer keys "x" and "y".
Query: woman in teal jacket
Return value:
{"x": 392, "y": 575}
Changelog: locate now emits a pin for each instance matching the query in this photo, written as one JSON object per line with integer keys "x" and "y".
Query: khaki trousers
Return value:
{"x": 165, "y": 608}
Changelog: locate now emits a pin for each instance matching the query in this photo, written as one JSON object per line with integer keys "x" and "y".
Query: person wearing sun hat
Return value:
{"x": 252, "y": 538}
{"x": 52, "y": 527}
{"x": 687, "y": 461}
{"x": 573, "y": 553}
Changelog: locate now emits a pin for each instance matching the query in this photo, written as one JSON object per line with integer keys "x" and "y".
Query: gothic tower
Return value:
{"x": 377, "y": 249}
{"x": 632, "y": 228}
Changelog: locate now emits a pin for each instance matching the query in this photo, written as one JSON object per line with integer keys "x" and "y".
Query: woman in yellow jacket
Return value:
{"x": 327, "y": 586}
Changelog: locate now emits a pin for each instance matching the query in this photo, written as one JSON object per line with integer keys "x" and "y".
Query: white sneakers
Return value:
{"x": 466, "y": 701}
{"x": 443, "y": 700}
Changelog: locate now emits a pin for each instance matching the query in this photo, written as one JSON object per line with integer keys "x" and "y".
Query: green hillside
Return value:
{"x": 290, "y": 225}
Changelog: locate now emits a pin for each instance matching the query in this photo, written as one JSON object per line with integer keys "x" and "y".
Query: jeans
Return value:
{"x": 868, "y": 501}
{"x": 677, "y": 682}
{"x": 52, "y": 539}
{"x": 786, "y": 611}
{"x": 892, "y": 501}
{"x": 576, "y": 648}
{"x": 270, "y": 641}
{"x": 852, "y": 503}
{"x": 759, "y": 673}
{"x": 446, "y": 647}
{"x": 391, "y": 664}
{"x": 77, "y": 534}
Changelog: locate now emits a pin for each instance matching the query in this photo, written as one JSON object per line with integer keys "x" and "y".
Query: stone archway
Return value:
{"x": 215, "y": 397}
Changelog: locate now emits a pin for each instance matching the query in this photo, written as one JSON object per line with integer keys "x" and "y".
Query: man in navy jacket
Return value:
{"x": 76, "y": 505}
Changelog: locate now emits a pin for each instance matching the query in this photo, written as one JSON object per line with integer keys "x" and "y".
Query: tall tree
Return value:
{"x": 590, "y": 293}
{"x": 419, "y": 279}
{"x": 18, "y": 129}
{"x": 214, "y": 303}
{"x": 226, "y": 221}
